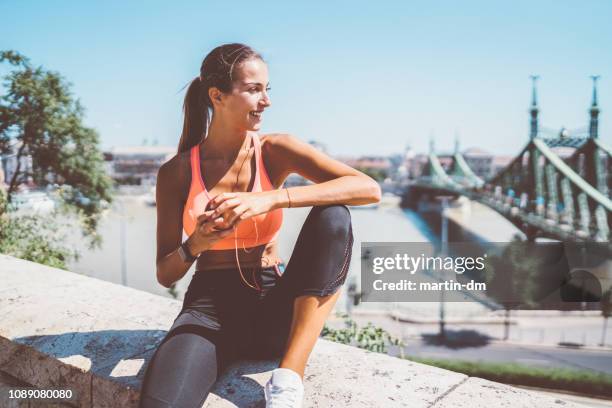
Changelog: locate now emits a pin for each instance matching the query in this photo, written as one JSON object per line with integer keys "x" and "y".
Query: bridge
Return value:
{"x": 541, "y": 192}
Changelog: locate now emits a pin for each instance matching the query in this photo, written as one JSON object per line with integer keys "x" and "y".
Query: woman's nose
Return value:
{"x": 266, "y": 100}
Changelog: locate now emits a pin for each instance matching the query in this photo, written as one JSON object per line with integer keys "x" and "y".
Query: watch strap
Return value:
{"x": 185, "y": 254}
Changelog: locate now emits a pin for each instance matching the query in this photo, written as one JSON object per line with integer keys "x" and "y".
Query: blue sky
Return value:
{"x": 361, "y": 77}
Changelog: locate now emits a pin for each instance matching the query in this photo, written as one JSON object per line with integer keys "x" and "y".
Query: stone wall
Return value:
{"x": 64, "y": 330}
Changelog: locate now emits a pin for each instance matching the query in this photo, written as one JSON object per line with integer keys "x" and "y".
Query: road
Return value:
{"x": 540, "y": 356}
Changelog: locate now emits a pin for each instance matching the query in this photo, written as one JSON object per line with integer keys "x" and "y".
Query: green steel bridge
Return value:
{"x": 541, "y": 193}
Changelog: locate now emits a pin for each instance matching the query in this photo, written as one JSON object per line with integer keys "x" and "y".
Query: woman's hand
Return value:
{"x": 209, "y": 229}
{"x": 237, "y": 207}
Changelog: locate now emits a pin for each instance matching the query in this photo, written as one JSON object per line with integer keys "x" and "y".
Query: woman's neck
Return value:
{"x": 223, "y": 141}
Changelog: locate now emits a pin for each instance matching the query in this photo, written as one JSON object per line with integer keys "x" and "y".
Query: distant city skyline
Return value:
{"x": 358, "y": 77}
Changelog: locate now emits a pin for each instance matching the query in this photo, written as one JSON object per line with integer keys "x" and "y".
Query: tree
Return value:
{"x": 40, "y": 118}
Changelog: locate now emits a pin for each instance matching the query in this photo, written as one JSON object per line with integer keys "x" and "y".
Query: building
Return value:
{"x": 480, "y": 161}
{"x": 415, "y": 164}
{"x": 499, "y": 163}
{"x": 136, "y": 165}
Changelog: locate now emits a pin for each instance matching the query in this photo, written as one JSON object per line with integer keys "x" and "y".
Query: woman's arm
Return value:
{"x": 169, "y": 196}
{"x": 171, "y": 191}
{"x": 335, "y": 182}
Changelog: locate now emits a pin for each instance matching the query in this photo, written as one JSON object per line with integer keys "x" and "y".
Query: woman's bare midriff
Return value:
{"x": 260, "y": 256}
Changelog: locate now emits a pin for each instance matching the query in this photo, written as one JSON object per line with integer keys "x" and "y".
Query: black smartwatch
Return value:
{"x": 184, "y": 253}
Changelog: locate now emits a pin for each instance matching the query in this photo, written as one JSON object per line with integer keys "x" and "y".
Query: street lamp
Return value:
{"x": 122, "y": 241}
{"x": 443, "y": 252}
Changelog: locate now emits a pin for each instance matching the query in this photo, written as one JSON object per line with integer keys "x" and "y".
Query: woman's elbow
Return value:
{"x": 161, "y": 279}
{"x": 375, "y": 192}
{"x": 372, "y": 192}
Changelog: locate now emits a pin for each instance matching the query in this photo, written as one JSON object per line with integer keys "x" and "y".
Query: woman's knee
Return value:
{"x": 173, "y": 377}
{"x": 335, "y": 218}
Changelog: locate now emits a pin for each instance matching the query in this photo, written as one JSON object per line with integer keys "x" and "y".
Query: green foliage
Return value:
{"x": 369, "y": 337}
{"x": 377, "y": 174}
{"x": 40, "y": 118}
{"x": 34, "y": 238}
{"x": 344, "y": 336}
{"x": 580, "y": 381}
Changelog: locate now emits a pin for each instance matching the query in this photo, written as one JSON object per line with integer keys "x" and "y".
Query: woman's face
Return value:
{"x": 245, "y": 104}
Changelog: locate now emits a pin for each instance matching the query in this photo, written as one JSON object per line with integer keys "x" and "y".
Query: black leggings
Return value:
{"x": 223, "y": 319}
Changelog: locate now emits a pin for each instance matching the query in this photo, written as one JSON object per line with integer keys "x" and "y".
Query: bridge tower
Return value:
{"x": 595, "y": 172}
{"x": 593, "y": 126}
{"x": 456, "y": 144}
{"x": 534, "y": 108}
{"x": 535, "y": 180}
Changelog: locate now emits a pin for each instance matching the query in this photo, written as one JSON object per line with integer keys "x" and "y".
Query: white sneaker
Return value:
{"x": 284, "y": 389}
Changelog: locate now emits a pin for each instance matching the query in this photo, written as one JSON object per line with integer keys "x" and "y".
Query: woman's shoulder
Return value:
{"x": 176, "y": 164}
{"x": 274, "y": 149}
{"x": 175, "y": 172}
{"x": 277, "y": 143}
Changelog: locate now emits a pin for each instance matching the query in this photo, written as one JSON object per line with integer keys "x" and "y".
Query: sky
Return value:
{"x": 363, "y": 78}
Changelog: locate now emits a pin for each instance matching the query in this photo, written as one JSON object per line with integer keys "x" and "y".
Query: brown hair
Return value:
{"x": 217, "y": 70}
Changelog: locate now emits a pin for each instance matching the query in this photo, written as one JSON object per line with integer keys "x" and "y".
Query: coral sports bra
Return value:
{"x": 251, "y": 232}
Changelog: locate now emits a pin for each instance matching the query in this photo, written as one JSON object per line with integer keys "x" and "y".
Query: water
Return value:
{"x": 387, "y": 223}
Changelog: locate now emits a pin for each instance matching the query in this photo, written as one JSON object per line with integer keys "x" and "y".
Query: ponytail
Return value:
{"x": 196, "y": 113}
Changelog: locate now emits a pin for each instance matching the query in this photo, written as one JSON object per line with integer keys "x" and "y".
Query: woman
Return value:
{"x": 223, "y": 189}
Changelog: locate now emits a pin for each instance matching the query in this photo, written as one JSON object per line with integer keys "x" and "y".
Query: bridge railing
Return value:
{"x": 538, "y": 183}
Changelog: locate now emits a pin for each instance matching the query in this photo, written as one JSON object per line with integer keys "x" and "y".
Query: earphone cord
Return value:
{"x": 256, "y": 287}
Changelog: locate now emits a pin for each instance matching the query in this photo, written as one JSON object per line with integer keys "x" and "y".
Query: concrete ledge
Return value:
{"x": 60, "y": 329}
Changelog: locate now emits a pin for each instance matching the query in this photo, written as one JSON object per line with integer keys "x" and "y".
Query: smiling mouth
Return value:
{"x": 256, "y": 114}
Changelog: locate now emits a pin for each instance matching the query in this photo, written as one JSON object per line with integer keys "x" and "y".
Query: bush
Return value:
{"x": 370, "y": 338}
{"x": 36, "y": 238}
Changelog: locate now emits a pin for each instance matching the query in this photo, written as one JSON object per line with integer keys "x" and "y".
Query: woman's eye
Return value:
{"x": 254, "y": 90}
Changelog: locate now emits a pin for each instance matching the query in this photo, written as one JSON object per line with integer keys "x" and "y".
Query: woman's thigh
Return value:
{"x": 318, "y": 266}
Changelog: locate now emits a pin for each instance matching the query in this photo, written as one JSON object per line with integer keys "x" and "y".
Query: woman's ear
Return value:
{"x": 215, "y": 95}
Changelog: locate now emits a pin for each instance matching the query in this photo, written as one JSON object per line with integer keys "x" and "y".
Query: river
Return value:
{"x": 387, "y": 223}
